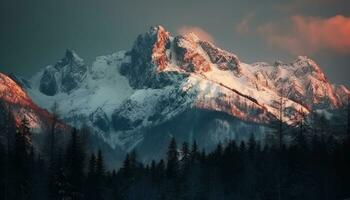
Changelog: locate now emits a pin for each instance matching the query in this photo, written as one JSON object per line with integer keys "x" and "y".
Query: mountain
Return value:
{"x": 180, "y": 86}
{"x": 15, "y": 104}
{"x": 15, "y": 99}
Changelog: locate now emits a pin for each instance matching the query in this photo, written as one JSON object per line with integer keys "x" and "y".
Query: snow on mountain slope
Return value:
{"x": 102, "y": 87}
{"x": 208, "y": 71}
{"x": 98, "y": 90}
{"x": 302, "y": 81}
{"x": 124, "y": 95}
{"x": 15, "y": 99}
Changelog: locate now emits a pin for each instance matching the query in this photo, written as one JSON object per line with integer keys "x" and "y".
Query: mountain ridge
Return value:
{"x": 123, "y": 96}
{"x": 15, "y": 100}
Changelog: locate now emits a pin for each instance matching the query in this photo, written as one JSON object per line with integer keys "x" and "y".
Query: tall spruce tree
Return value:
{"x": 194, "y": 152}
{"x": 172, "y": 159}
{"x": 22, "y": 160}
{"x": 186, "y": 156}
{"x": 52, "y": 133}
{"x": 3, "y": 166}
{"x": 52, "y": 153}
{"x": 92, "y": 166}
{"x": 172, "y": 171}
{"x": 348, "y": 116}
{"x": 100, "y": 166}
{"x": 90, "y": 189}
{"x": 126, "y": 168}
{"x": 100, "y": 175}
{"x": 8, "y": 132}
{"x": 74, "y": 159}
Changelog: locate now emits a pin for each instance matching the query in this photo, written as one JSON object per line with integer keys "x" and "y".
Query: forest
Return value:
{"x": 313, "y": 164}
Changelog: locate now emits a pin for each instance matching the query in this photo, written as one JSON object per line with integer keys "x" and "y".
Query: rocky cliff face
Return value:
{"x": 64, "y": 76}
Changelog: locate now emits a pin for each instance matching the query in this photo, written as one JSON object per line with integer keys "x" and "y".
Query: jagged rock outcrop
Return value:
{"x": 100, "y": 120}
{"x": 64, "y": 76}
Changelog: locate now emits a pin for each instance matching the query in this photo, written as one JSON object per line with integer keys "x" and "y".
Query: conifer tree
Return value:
{"x": 52, "y": 134}
{"x": 100, "y": 166}
{"x": 74, "y": 159}
{"x": 126, "y": 168}
{"x": 185, "y": 157}
{"x": 218, "y": 151}
{"x": 252, "y": 145}
{"x": 92, "y": 166}
{"x": 348, "y": 116}
{"x": 51, "y": 151}
{"x": 62, "y": 185}
{"x": 100, "y": 175}
{"x": 194, "y": 151}
{"x": 21, "y": 161}
{"x": 3, "y": 166}
{"x": 7, "y": 126}
{"x": 134, "y": 165}
{"x": 172, "y": 159}
{"x": 160, "y": 168}
{"x": 91, "y": 192}
{"x": 8, "y": 132}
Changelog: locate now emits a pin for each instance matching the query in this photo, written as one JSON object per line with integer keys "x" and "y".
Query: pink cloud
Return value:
{"x": 295, "y": 5}
{"x": 308, "y": 35}
{"x": 243, "y": 27}
{"x": 202, "y": 34}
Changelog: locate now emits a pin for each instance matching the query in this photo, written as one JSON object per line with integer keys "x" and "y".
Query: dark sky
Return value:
{"x": 35, "y": 33}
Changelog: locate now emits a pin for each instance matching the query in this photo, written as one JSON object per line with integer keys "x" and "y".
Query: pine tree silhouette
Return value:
{"x": 22, "y": 160}
{"x": 74, "y": 159}
{"x": 172, "y": 160}
{"x": 100, "y": 175}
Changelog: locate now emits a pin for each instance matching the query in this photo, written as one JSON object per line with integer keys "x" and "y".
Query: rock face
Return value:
{"x": 188, "y": 56}
{"x": 48, "y": 82}
{"x": 64, "y": 76}
{"x": 72, "y": 69}
{"x": 148, "y": 57}
{"x": 302, "y": 81}
{"x": 183, "y": 87}
{"x": 100, "y": 120}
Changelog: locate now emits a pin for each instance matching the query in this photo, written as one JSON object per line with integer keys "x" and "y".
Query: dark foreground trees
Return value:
{"x": 311, "y": 166}
{"x": 315, "y": 167}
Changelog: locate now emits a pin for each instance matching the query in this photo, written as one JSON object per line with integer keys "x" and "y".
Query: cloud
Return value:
{"x": 308, "y": 35}
{"x": 296, "y": 5}
{"x": 243, "y": 27}
{"x": 202, "y": 34}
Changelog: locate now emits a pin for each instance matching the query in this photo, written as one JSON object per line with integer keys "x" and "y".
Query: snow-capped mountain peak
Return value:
{"x": 64, "y": 76}
{"x": 164, "y": 78}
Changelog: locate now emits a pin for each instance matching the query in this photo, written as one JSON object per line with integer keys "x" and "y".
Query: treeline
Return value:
{"x": 316, "y": 167}
{"x": 27, "y": 174}
{"x": 306, "y": 169}
{"x": 313, "y": 165}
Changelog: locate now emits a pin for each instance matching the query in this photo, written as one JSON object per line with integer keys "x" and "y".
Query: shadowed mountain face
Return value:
{"x": 180, "y": 87}
{"x": 64, "y": 76}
